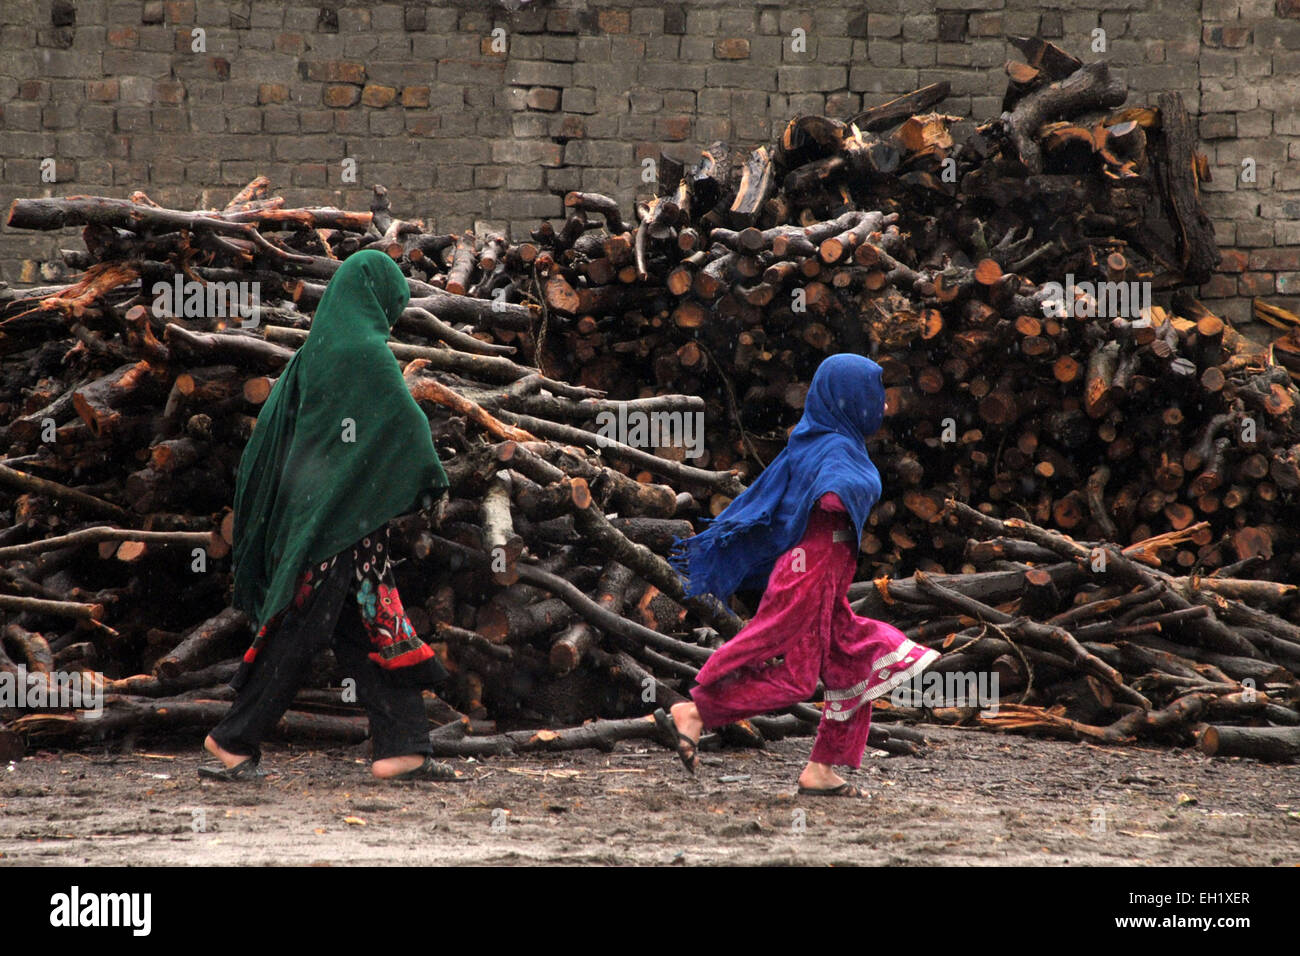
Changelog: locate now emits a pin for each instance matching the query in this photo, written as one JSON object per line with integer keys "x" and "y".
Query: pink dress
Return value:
{"x": 805, "y": 629}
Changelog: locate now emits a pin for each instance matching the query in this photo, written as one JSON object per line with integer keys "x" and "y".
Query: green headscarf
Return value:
{"x": 340, "y": 446}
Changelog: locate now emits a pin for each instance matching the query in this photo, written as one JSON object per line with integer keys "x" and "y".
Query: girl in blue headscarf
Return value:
{"x": 797, "y": 528}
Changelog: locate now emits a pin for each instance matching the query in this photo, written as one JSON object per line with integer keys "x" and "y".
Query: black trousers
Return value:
{"x": 398, "y": 723}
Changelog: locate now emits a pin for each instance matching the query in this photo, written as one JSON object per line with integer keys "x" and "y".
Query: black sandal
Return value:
{"x": 688, "y": 751}
{"x": 246, "y": 771}
{"x": 429, "y": 770}
{"x": 845, "y": 789}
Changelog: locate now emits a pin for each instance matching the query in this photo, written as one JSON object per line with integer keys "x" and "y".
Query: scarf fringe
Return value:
{"x": 701, "y": 560}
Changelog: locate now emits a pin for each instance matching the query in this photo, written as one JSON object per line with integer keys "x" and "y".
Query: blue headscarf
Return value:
{"x": 826, "y": 452}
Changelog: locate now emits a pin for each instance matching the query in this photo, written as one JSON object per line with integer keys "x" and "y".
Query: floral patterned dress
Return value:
{"x": 394, "y": 643}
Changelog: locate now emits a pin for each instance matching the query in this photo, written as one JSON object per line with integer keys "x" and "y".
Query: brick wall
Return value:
{"x": 425, "y": 100}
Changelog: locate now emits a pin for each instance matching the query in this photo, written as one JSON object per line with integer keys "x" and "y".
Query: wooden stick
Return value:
{"x": 62, "y": 493}
{"x": 73, "y": 609}
{"x": 431, "y": 390}
{"x": 89, "y": 535}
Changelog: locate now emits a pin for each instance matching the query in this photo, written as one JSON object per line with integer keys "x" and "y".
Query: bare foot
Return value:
{"x": 392, "y": 766}
{"x": 686, "y": 718}
{"x": 690, "y": 726}
{"x": 225, "y": 756}
{"x": 819, "y": 776}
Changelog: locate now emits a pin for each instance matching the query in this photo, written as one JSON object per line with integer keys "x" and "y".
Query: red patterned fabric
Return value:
{"x": 395, "y": 642}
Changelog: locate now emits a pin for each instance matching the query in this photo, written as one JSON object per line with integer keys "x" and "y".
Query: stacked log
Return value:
{"x": 1003, "y": 283}
{"x": 1093, "y": 641}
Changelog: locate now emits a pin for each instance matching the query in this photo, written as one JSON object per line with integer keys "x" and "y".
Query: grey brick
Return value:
{"x": 246, "y": 119}
{"x": 830, "y": 21}
{"x": 594, "y": 49}
{"x": 953, "y": 54}
{"x": 626, "y": 49}
{"x": 398, "y": 73}
{"x": 522, "y": 178}
{"x": 647, "y": 20}
{"x": 479, "y": 98}
{"x": 1216, "y": 63}
{"x": 388, "y": 17}
{"x": 765, "y": 51}
{"x": 595, "y": 153}
{"x": 454, "y": 179}
{"x": 711, "y": 100}
{"x": 988, "y": 53}
{"x": 926, "y": 54}
{"x": 833, "y": 50}
{"x": 659, "y": 47}
{"x": 1216, "y": 98}
{"x": 747, "y": 101}
{"x": 870, "y": 79}
{"x": 518, "y": 205}
{"x": 77, "y": 63}
{"x": 622, "y": 73}
{"x": 386, "y": 122}
{"x": 1287, "y": 123}
{"x": 358, "y": 46}
{"x": 885, "y": 52}
{"x": 21, "y": 116}
{"x": 565, "y": 179}
{"x": 475, "y": 73}
{"x": 1254, "y": 123}
{"x": 807, "y": 103}
{"x": 1020, "y": 22}
{"x": 600, "y": 180}
{"x": 495, "y": 124}
{"x": 1278, "y": 34}
{"x": 78, "y": 145}
{"x": 1254, "y": 234}
{"x": 924, "y": 27}
{"x": 679, "y": 101}
{"x": 691, "y": 48}
{"x": 600, "y": 125}
{"x": 529, "y": 125}
{"x": 279, "y": 120}
{"x": 672, "y": 76}
{"x": 425, "y": 47}
{"x": 528, "y": 48}
{"x": 1225, "y": 233}
{"x": 1218, "y": 125}
{"x": 562, "y": 49}
{"x": 579, "y": 100}
{"x": 702, "y": 22}
{"x": 1266, "y": 152}
{"x": 308, "y": 147}
{"x": 170, "y": 119}
{"x": 95, "y": 118}
{"x": 884, "y": 25}
{"x": 639, "y": 126}
{"x": 136, "y": 118}
{"x": 528, "y": 151}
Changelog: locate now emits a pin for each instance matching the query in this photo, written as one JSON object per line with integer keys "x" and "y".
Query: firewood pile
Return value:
{"x": 1089, "y": 494}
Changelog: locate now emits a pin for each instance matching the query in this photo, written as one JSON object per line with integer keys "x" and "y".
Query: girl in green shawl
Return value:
{"x": 339, "y": 449}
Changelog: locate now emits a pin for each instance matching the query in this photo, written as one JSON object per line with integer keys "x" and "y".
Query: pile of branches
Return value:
{"x": 983, "y": 276}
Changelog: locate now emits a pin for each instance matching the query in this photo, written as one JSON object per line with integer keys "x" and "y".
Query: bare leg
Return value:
{"x": 392, "y": 766}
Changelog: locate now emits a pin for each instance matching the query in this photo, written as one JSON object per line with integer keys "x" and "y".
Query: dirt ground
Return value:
{"x": 975, "y": 798}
